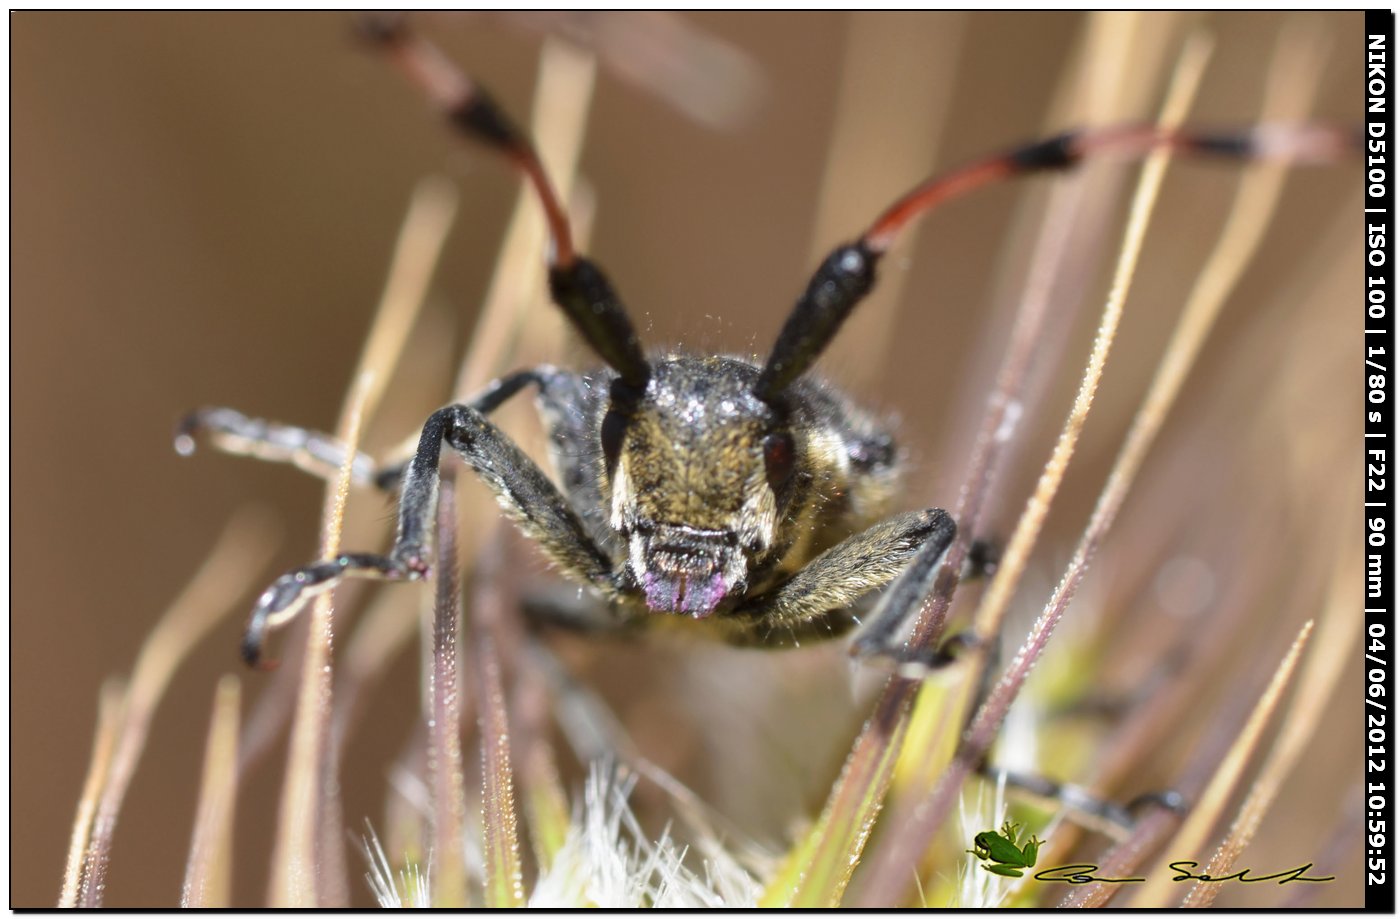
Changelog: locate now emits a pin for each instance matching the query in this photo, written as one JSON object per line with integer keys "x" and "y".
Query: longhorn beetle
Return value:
{"x": 746, "y": 497}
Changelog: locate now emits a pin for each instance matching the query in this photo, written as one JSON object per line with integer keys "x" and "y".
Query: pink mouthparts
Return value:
{"x": 682, "y": 593}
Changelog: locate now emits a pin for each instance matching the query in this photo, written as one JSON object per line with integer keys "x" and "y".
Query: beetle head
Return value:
{"x": 700, "y": 470}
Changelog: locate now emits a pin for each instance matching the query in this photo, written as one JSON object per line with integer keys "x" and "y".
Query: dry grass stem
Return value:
{"x": 431, "y": 210}
{"x": 1295, "y": 68}
{"x": 1338, "y": 634}
{"x": 1158, "y": 890}
{"x": 504, "y": 884}
{"x": 109, "y": 709}
{"x": 217, "y": 588}
{"x": 447, "y": 786}
{"x": 295, "y": 863}
{"x": 210, "y": 866}
{"x": 310, "y": 784}
{"x": 992, "y": 611}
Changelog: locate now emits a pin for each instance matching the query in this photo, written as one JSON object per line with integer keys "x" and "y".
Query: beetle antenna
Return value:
{"x": 848, "y": 273}
{"x": 577, "y": 285}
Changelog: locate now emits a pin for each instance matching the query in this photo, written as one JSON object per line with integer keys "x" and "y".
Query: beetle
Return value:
{"x": 741, "y": 497}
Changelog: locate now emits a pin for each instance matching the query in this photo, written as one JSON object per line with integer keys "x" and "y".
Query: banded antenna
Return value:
{"x": 848, "y": 273}
{"x": 577, "y": 285}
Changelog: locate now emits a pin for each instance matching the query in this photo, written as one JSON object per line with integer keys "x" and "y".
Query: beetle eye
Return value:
{"x": 614, "y": 426}
{"x": 778, "y": 457}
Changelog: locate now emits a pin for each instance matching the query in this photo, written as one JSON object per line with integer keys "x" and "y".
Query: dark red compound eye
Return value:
{"x": 778, "y": 457}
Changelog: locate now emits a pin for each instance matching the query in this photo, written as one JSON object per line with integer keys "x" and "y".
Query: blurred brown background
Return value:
{"x": 203, "y": 208}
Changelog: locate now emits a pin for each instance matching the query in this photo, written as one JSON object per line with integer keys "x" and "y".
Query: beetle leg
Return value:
{"x": 815, "y": 602}
{"x": 522, "y": 489}
{"x": 322, "y": 454}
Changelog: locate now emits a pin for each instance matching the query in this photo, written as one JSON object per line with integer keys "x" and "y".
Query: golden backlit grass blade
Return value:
{"x": 431, "y": 211}
{"x": 896, "y": 867}
{"x": 815, "y": 875}
{"x": 432, "y": 207}
{"x": 1338, "y": 635}
{"x": 543, "y": 800}
{"x": 217, "y": 588}
{"x": 933, "y": 738}
{"x": 109, "y": 710}
{"x": 545, "y": 804}
{"x": 295, "y": 862}
{"x": 308, "y": 796}
{"x": 210, "y": 866}
{"x": 992, "y": 611}
{"x": 446, "y": 779}
{"x": 504, "y": 885}
{"x": 1159, "y": 891}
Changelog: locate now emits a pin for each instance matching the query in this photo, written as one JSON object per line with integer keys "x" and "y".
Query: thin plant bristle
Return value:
{"x": 1206, "y": 812}
{"x": 209, "y": 871}
{"x": 109, "y": 709}
{"x": 243, "y": 549}
{"x": 410, "y": 889}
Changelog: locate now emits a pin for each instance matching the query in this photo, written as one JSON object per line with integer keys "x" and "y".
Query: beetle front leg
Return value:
{"x": 881, "y": 638}
{"x": 521, "y": 488}
{"x": 815, "y": 601}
